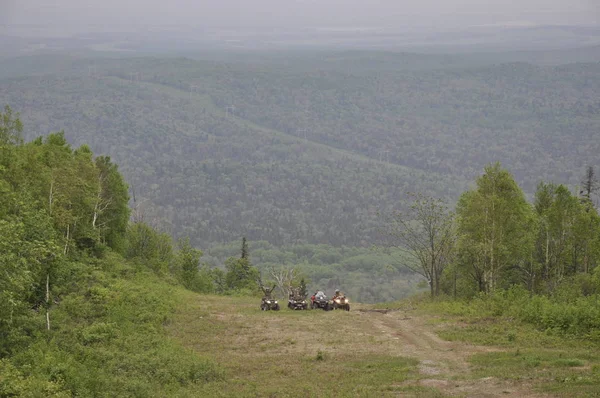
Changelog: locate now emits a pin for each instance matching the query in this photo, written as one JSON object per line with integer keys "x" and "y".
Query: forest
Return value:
{"x": 309, "y": 149}
{"x": 88, "y": 287}
{"x": 85, "y": 292}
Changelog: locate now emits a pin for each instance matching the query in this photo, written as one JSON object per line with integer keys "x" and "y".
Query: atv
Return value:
{"x": 319, "y": 300}
{"x": 341, "y": 303}
{"x": 297, "y": 303}
{"x": 269, "y": 304}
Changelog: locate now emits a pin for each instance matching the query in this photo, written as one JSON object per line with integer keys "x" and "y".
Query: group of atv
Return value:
{"x": 318, "y": 300}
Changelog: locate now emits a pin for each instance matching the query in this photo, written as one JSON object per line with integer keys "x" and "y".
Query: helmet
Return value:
{"x": 337, "y": 291}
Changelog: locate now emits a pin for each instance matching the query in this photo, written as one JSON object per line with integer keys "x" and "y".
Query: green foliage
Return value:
{"x": 111, "y": 207}
{"x": 109, "y": 340}
{"x": 564, "y": 314}
{"x": 366, "y": 275}
{"x": 150, "y": 248}
{"x": 320, "y": 356}
{"x": 494, "y": 226}
{"x": 75, "y": 319}
{"x": 193, "y": 277}
{"x": 11, "y": 128}
{"x": 241, "y": 274}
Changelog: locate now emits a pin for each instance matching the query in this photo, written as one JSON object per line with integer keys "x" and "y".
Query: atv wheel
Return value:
{"x": 348, "y": 307}
{"x": 276, "y": 308}
{"x": 264, "y": 307}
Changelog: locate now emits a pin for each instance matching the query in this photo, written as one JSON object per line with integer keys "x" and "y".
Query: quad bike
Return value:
{"x": 297, "y": 303}
{"x": 341, "y": 303}
{"x": 319, "y": 300}
{"x": 269, "y": 304}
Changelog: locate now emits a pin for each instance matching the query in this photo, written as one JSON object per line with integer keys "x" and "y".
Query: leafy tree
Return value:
{"x": 111, "y": 210}
{"x": 302, "y": 287}
{"x": 493, "y": 223}
{"x": 188, "y": 266}
{"x": 567, "y": 236}
{"x": 11, "y": 128}
{"x": 240, "y": 274}
{"x": 218, "y": 277}
{"x": 149, "y": 247}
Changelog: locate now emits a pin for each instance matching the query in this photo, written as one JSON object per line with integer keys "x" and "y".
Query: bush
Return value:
{"x": 578, "y": 315}
{"x": 14, "y": 384}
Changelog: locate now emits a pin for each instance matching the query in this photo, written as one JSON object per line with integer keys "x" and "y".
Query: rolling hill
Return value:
{"x": 315, "y": 151}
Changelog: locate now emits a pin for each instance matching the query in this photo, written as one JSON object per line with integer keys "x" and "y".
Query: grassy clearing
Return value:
{"x": 373, "y": 354}
{"x": 553, "y": 363}
{"x": 293, "y": 353}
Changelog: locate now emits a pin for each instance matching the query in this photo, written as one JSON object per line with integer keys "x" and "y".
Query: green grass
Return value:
{"x": 575, "y": 372}
{"x": 108, "y": 339}
{"x": 551, "y": 363}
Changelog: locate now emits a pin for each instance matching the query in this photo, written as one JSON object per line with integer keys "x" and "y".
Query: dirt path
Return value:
{"x": 443, "y": 365}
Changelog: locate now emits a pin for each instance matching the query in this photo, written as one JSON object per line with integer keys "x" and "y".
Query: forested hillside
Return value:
{"x": 88, "y": 296}
{"x": 76, "y": 317}
{"x": 312, "y": 151}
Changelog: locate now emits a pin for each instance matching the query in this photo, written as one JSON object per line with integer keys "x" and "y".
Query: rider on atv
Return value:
{"x": 337, "y": 294}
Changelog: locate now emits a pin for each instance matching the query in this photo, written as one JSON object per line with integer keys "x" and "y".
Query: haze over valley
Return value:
{"x": 283, "y": 198}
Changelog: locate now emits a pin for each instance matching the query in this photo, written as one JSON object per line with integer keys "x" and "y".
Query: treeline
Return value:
{"x": 497, "y": 244}
{"x": 366, "y": 275}
{"x": 85, "y": 288}
{"x": 57, "y": 205}
{"x": 503, "y": 240}
{"x": 62, "y": 208}
{"x": 214, "y": 177}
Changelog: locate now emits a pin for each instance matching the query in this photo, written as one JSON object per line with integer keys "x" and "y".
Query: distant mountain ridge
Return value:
{"x": 313, "y": 152}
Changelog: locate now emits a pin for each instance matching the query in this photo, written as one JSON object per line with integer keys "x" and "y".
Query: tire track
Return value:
{"x": 444, "y": 365}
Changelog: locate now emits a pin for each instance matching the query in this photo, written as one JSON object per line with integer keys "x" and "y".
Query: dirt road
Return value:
{"x": 443, "y": 365}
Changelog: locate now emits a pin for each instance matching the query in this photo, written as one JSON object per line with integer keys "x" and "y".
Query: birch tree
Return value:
{"x": 494, "y": 226}
{"x": 427, "y": 235}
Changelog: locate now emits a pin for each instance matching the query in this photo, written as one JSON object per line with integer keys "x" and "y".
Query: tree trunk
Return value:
{"x": 67, "y": 241}
{"x": 50, "y": 198}
{"x": 455, "y": 277}
{"x": 48, "y": 300}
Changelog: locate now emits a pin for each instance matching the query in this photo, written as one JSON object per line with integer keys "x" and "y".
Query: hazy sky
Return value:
{"x": 271, "y": 13}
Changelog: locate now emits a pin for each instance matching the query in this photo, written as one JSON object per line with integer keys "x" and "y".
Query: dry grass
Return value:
{"x": 294, "y": 353}
{"x": 362, "y": 353}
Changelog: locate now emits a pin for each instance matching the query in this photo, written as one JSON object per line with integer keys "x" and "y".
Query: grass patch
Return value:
{"x": 551, "y": 362}
{"x": 574, "y": 372}
{"x": 290, "y": 353}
